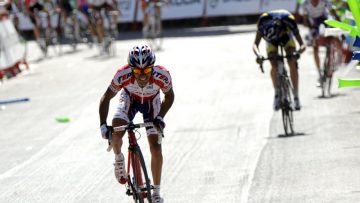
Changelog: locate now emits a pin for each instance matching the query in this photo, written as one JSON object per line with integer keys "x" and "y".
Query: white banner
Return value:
{"x": 179, "y": 9}
{"x": 130, "y": 10}
{"x": 11, "y": 50}
{"x": 231, "y": 7}
{"x": 268, "y": 5}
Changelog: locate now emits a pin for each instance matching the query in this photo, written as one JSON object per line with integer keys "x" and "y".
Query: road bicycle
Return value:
{"x": 48, "y": 35}
{"x": 138, "y": 184}
{"x": 286, "y": 90}
{"x": 109, "y": 27}
{"x": 111, "y": 32}
{"x": 332, "y": 61}
{"x": 70, "y": 30}
{"x": 153, "y": 31}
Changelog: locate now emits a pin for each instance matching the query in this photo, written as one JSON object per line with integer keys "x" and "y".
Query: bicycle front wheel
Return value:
{"x": 139, "y": 178}
{"x": 288, "y": 122}
{"x": 286, "y": 109}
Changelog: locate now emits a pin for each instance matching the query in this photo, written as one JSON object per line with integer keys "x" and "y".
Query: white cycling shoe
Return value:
{"x": 120, "y": 172}
{"x": 276, "y": 103}
{"x": 297, "y": 103}
{"x": 157, "y": 199}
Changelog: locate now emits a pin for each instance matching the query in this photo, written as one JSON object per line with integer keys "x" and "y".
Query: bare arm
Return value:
{"x": 167, "y": 102}
{"x": 104, "y": 105}
{"x": 300, "y": 41}
{"x": 256, "y": 44}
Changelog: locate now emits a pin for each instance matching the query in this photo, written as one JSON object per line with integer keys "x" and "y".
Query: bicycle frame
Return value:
{"x": 138, "y": 183}
{"x": 286, "y": 90}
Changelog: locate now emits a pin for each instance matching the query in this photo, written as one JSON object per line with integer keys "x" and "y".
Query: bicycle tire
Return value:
{"x": 287, "y": 111}
{"x": 324, "y": 73}
{"x": 288, "y": 122}
{"x": 139, "y": 175}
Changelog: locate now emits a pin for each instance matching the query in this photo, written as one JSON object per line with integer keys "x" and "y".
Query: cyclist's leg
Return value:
{"x": 36, "y": 29}
{"x": 113, "y": 12}
{"x": 317, "y": 56}
{"x": 337, "y": 43}
{"x": 290, "y": 48}
{"x": 272, "y": 51}
{"x": 123, "y": 116}
{"x": 100, "y": 25}
{"x": 92, "y": 24}
{"x": 149, "y": 113}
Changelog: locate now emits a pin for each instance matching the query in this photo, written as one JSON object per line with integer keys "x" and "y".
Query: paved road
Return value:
{"x": 222, "y": 139}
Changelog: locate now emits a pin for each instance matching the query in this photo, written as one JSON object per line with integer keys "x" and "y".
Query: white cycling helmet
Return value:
{"x": 141, "y": 56}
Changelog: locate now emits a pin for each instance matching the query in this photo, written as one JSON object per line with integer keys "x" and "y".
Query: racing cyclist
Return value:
{"x": 139, "y": 83}
{"x": 315, "y": 13}
{"x": 31, "y": 7}
{"x": 97, "y": 19}
{"x": 279, "y": 27}
{"x": 144, "y": 8}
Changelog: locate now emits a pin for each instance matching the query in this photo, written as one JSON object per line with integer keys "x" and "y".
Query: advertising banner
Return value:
{"x": 268, "y": 5}
{"x": 178, "y": 9}
{"x": 231, "y": 7}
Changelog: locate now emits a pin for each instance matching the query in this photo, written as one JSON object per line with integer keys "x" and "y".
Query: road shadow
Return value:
{"x": 296, "y": 134}
{"x": 335, "y": 95}
{"x": 281, "y": 136}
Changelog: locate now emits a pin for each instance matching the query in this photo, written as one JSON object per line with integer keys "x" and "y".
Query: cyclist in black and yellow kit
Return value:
{"x": 279, "y": 28}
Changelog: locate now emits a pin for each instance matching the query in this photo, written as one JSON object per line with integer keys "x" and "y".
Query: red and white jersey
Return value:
{"x": 125, "y": 79}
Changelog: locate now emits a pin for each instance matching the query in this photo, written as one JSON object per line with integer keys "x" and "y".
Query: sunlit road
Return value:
{"x": 222, "y": 141}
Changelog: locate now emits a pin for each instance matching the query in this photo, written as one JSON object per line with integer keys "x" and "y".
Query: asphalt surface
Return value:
{"x": 223, "y": 142}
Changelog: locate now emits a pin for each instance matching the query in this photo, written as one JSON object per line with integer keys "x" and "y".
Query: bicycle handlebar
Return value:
{"x": 295, "y": 54}
{"x": 132, "y": 126}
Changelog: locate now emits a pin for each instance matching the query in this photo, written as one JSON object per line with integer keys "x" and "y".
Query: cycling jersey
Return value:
{"x": 320, "y": 10}
{"x": 125, "y": 79}
{"x": 277, "y": 34}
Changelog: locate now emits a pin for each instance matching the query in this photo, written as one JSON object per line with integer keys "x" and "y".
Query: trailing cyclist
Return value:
{"x": 315, "y": 13}
{"x": 278, "y": 27}
{"x": 144, "y": 8}
{"x": 139, "y": 83}
{"x": 66, "y": 15}
{"x": 32, "y": 7}
{"x": 96, "y": 19}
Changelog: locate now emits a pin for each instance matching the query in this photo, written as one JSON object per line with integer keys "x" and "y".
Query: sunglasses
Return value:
{"x": 145, "y": 70}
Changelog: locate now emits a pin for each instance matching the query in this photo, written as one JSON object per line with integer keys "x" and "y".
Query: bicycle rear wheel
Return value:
{"x": 328, "y": 70}
{"x": 140, "y": 182}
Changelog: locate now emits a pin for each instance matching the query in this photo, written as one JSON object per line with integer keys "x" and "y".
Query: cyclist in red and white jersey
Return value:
{"x": 139, "y": 83}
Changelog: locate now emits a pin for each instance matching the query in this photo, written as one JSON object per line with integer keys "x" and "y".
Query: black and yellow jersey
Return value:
{"x": 276, "y": 26}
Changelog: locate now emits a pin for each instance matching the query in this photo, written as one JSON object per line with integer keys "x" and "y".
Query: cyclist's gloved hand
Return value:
{"x": 159, "y": 122}
{"x": 105, "y": 131}
{"x": 259, "y": 59}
